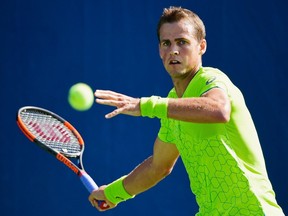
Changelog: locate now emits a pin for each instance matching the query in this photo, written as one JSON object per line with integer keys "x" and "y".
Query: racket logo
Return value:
{"x": 67, "y": 162}
{"x": 52, "y": 132}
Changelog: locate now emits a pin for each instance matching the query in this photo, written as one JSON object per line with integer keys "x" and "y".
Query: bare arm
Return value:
{"x": 145, "y": 175}
{"x": 153, "y": 169}
{"x": 212, "y": 107}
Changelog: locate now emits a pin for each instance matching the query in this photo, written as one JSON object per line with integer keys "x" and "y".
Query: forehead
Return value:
{"x": 180, "y": 29}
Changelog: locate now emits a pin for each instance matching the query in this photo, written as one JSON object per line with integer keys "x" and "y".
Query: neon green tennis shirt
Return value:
{"x": 224, "y": 162}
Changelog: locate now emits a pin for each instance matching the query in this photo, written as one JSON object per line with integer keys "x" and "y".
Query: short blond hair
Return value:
{"x": 175, "y": 14}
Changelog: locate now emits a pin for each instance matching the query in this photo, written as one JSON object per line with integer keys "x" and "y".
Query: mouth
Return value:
{"x": 174, "y": 62}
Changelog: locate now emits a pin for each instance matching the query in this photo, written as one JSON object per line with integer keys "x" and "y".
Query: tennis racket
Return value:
{"x": 59, "y": 138}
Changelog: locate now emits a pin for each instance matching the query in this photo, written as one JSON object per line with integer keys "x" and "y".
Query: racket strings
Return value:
{"x": 51, "y": 132}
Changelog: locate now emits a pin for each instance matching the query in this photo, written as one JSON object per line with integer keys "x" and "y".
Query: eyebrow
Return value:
{"x": 176, "y": 39}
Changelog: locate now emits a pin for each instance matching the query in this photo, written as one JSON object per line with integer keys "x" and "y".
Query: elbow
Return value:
{"x": 167, "y": 172}
{"x": 163, "y": 172}
{"x": 224, "y": 115}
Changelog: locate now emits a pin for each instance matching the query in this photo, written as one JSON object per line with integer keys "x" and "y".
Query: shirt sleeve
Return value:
{"x": 214, "y": 82}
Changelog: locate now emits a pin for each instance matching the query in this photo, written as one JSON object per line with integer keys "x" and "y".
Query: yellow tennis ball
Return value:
{"x": 81, "y": 96}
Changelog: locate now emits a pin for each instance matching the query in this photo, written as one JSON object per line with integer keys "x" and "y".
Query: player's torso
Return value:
{"x": 217, "y": 180}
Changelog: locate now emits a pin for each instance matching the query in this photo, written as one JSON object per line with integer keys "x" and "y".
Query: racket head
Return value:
{"x": 57, "y": 136}
{"x": 50, "y": 131}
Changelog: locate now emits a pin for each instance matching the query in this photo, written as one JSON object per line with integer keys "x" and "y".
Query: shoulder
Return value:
{"x": 208, "y": 78}
{"x": 210, "y": 72}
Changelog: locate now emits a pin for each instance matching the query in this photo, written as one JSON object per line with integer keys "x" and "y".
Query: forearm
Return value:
{"x": 212, "y": 107}
{"x": 199, "y": 110}
{"x": 143, "y": 177}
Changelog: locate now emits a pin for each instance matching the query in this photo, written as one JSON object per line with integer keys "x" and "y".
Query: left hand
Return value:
{"x": 125, "y": 104}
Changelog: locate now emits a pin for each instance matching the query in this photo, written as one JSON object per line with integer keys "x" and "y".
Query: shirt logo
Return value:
{"x": 119, "y": 198}
{"x": 210, "y": 80}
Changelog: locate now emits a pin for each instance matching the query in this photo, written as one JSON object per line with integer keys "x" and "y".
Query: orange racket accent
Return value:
{"x": 68, "y": 125}
{"x": 68, "y": 163}
{"x": 27, "y": 133}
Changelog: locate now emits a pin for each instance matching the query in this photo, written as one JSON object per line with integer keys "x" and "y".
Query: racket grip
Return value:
{"x": 90, "y": 185}
{"x": 88, "y": 182}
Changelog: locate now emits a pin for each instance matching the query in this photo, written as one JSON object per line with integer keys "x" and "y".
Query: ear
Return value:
{"x": 160, "y": 54}
{"x": 203, "y": 46}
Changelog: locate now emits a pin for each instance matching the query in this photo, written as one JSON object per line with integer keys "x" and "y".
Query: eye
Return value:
{"x": 165, "y": 43}
{"x": 182, "y": 42}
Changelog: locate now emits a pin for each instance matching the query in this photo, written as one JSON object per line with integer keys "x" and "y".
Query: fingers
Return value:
{"x": 112, "y": 114}
{"x": 107, "y": 95}
{"x": 99, "y": 201}
{"x": 123, "y": 103}
{"x": 109, "y": 98}
{"x": 99, "y": 205}
{"x": 107, "y": 102}
{"x": 115, "y": 112}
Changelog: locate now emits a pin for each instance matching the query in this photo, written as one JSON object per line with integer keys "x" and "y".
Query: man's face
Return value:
{"x": 179, "y": 50}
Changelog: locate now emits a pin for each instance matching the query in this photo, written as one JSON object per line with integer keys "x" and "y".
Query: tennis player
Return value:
{"x": 204, "y": 120}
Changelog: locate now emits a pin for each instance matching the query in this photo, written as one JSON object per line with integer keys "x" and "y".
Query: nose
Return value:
{"x": 174, "y": 52}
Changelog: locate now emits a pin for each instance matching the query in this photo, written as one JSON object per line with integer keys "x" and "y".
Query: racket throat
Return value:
{"x": 68, "y": 163}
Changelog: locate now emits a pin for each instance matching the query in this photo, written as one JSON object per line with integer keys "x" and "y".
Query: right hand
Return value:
{"x": 98, "y": 195}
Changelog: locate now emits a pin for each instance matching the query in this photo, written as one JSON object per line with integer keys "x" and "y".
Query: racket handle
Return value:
{"x": 90, "y": 185}
{"x": 88, "y": 182}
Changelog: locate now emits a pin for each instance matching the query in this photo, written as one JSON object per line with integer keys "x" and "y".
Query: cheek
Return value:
{"x": 193, "y": 53}
{"x": 162, "y": 54}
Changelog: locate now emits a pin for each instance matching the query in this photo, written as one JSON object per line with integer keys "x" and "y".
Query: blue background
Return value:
{"x": 47, "y": 46}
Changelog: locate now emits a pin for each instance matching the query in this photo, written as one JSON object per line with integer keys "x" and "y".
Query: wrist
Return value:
{"x": 154, "y": 106}
{"x": 116, "y": 193}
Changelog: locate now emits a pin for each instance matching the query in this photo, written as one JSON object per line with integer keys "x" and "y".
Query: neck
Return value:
{"x": 181, "y": 83}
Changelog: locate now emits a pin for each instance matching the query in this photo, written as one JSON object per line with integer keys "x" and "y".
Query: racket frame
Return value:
{"x": 61, "y": 156}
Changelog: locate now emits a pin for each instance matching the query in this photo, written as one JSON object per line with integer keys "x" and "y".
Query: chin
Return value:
{"x": 177, "y": 74}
